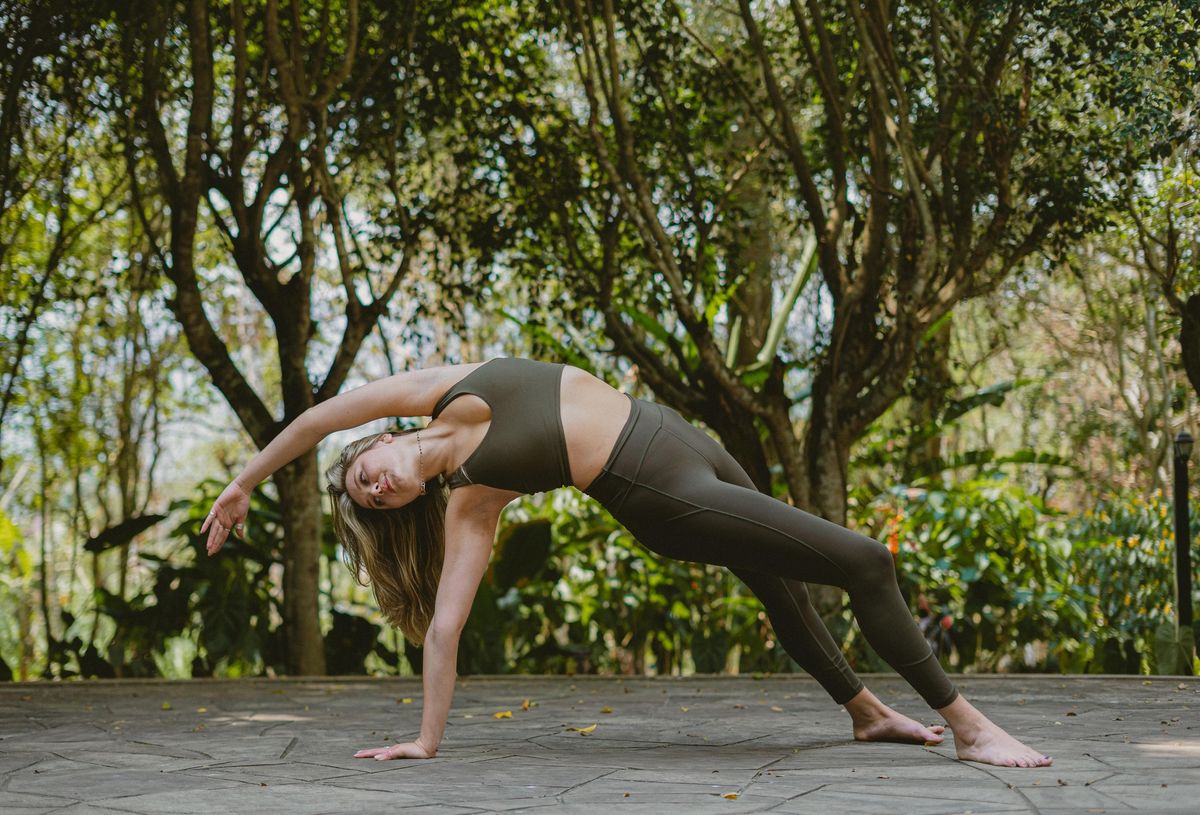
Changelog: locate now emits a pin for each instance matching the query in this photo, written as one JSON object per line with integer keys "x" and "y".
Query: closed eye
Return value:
{"x": 362, "y": 479}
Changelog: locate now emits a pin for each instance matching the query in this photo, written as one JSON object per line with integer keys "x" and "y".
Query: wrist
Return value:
{"x": 427, "y": 744}
{"x": 240, "y": 483}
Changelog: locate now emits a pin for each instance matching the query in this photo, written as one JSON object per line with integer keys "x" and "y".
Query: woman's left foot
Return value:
{"x": 888, "y": 725}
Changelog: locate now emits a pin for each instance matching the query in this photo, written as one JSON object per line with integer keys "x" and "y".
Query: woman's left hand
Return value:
{"x": 228, "y": 513}
{"x": 411, "y": 749}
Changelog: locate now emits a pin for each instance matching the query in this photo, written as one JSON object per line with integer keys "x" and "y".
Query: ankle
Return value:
{"x": 962, "y": 716}
{"x": 866, "y": 707}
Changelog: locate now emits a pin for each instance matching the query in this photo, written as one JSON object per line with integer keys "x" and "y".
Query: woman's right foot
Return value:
{"x": 978, "y": 738}
{"x": 986, "y": 742}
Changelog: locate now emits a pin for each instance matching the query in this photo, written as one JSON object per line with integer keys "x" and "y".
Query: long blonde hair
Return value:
{"x": 400, "y": 549}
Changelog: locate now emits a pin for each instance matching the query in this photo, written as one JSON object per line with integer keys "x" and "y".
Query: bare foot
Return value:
{"x": 875, "y": 721}
{"x": 978, "y": 738}
{"x": 889, "y": 725}
{"x": 986, "y": 742}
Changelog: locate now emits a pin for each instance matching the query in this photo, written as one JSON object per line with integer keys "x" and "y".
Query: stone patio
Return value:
{"x": 700, "y": 744}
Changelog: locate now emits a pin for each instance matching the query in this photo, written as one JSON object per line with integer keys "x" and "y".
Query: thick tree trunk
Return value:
{"x": 933, "y": 382}
{"x": 826, "y": 456}
{"x": 300, "y": 510}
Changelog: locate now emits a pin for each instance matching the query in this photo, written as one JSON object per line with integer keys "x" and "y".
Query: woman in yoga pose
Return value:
{"x": 417, "y": 511}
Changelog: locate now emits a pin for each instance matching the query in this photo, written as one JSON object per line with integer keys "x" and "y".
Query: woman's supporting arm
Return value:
{"x": 470, "y": 533}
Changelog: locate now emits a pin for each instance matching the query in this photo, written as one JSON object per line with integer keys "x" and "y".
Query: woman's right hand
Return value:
{"x": 228, "y": 513}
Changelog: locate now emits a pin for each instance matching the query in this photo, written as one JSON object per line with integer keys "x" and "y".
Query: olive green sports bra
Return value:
{"x": 524, "y": 448}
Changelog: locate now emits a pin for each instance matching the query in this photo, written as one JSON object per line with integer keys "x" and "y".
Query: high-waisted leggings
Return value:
{"x": 682, "y": 495}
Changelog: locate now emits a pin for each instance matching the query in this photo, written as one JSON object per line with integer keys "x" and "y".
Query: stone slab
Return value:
{"x": 728, "y": 744}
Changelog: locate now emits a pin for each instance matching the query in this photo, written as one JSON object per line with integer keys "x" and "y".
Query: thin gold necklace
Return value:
{"x": 420, "y": 466}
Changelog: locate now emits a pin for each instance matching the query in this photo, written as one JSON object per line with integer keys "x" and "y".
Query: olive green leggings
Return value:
{"x": 682, "y": 495}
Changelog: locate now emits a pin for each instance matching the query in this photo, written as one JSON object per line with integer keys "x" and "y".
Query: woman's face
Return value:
{"x": 382, "y": 477}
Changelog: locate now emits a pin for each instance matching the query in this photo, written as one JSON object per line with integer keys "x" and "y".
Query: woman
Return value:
{"x": 417, "y": 510}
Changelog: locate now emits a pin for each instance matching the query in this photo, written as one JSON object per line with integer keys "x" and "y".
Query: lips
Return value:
{"x": 386, "y": 483}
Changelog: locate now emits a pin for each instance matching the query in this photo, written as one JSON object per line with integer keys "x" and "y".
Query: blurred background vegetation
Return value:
{"x": 930, "y": 269}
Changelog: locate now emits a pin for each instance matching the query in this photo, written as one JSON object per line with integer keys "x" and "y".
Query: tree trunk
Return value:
{"x": 933, "y": 382}
{"x": 826, "y": 457}
{"x": 300, "y": 510}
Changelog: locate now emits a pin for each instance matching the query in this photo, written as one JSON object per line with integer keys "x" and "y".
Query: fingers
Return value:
{"x": 407, "y": 750}
{"x": 218, "y": 535}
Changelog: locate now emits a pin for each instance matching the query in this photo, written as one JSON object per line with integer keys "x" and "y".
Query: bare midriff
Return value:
{"x": 593, "y": 413}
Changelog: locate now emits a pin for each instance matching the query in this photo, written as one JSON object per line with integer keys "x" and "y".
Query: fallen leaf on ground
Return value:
{"x": 740, "y": 707}
{"x": 582, "y": 729}
{"x": 166, "y": 705}
{"x": 606, "y": 709}
{"x": 202, "y": 710}
{"x": 777, "y": 708}
{"x": 407, "y": 700}
{"x": 732, "y": 796}
{"x": 525, "y": 705}
{"x": 503, "y": 714}
{"x": 684, "y": 709}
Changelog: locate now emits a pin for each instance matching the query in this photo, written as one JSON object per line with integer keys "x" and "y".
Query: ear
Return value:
{"x": 386, "y": 438}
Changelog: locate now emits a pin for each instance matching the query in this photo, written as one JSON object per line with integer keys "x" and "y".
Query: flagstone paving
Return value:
{"x": 698, "y": 744}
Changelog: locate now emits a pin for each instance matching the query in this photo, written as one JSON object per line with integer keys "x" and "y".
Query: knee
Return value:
{"x": 874, "y": 564}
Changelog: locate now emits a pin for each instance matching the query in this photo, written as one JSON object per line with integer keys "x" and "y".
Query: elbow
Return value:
{"x": 444, "y": 631}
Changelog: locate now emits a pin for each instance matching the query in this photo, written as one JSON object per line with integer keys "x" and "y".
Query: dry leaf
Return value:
{"x": 684, "y": 709}
{"x": 740, "y": 707}
{"x": 166, "y": 705}
{"x": 525, "y": 705}
{"x": 606, "y": 709}
{"x": 883, "y": 776}
{"x": 777, "y": 708}
{"x": 503, "y": 714}
{"x": 732, "y": 796}
{"x": 582, "y": 729}
{"x": 407, "y": 700}
{"x": 202, "y": 710}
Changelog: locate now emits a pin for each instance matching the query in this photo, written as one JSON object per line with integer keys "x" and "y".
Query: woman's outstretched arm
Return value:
{"x": 409, "y": 393}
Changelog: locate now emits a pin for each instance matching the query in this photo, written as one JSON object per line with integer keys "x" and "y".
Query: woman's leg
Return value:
{"x": 807, "y": 640}
{"x": 664, "y": 487}
{"x": 725, "y": 520}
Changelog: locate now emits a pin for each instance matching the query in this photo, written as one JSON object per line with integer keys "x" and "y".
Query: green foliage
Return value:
{"x": 220, "y": 604}
{"x": 1011, "y": 571}
{"x": 569, "y": 590}
{"x": 1125, "y": 562}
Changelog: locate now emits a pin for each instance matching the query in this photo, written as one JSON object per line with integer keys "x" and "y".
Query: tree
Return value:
{"x": 932, "y": 149}
{"x": 336, "y": 131}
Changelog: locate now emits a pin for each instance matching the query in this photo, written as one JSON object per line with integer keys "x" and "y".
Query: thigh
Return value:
{"x": 724, "y": 465}
{"x": 698, "y": 517}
